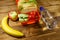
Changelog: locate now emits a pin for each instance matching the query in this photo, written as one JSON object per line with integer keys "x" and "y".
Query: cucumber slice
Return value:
{"x": 23, "y": 17}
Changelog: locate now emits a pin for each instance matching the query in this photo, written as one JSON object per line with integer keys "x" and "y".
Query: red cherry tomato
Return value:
{"x": 33, "y": 17}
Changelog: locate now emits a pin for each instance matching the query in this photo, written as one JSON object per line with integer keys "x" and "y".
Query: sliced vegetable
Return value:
{"x": 23, "y": 17}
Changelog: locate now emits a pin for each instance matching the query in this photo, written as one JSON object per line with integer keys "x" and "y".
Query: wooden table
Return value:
{"x": 32, "y": 32}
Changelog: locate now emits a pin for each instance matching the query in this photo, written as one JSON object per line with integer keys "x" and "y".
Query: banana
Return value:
{"x": 9, "y": 30}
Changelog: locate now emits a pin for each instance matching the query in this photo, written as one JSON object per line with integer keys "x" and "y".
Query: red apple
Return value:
{"x": 13, "y": 15}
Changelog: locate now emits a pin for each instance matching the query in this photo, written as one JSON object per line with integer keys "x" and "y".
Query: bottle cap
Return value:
{"x": 41, "y": 8}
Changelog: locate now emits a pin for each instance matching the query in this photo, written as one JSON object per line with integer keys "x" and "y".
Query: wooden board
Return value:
{"x": 32, "y": 32}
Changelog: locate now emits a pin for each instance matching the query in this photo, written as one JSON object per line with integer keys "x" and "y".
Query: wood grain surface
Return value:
{"x": 34, "y": 31}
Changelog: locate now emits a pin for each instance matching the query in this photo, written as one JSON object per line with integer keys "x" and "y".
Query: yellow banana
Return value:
{"x": 9, "y": 30}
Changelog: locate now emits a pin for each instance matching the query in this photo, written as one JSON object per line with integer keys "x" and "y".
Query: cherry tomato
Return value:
{"x": 33, "y": 17}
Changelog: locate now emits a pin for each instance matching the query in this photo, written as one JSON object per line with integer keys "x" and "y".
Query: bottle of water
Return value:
{"x": 48, "y": 18}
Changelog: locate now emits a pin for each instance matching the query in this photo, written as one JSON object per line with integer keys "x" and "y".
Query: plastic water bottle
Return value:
{"x": 48, "y": 18}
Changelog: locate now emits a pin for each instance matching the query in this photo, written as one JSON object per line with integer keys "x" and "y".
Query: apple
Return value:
{"x": 13, "y": 15}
